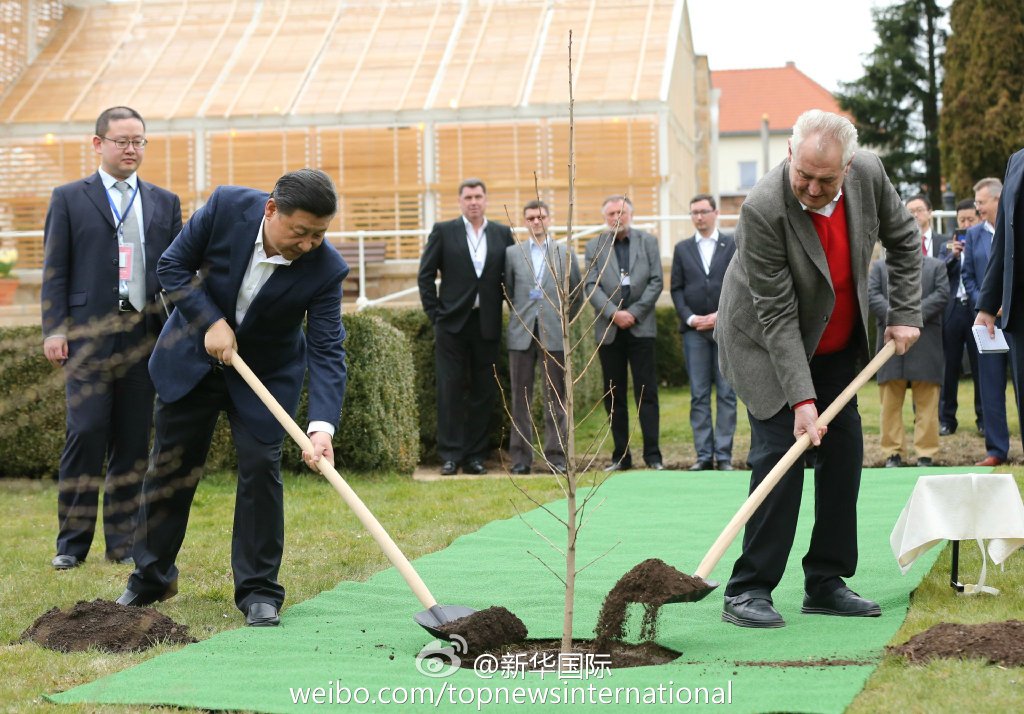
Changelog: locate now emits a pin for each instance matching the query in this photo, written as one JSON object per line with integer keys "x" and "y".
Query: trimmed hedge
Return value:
{"x": 417, "y": 328}
{"x": 32, "y": 405}
{"x": 377, "y": 432}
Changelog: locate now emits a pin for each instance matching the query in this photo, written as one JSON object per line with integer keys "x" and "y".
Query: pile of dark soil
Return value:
{"x": 487, "y": 629}
{"x": 652, "y": 583}
{"x": 106, "y": 626}
{"x": 995, "y": 642}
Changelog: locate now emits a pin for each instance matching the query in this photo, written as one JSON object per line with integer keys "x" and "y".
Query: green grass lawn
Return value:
{"x": 325, "y": 544}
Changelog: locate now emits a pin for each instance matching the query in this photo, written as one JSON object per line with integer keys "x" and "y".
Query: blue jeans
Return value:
{"x": 702, "y": 366}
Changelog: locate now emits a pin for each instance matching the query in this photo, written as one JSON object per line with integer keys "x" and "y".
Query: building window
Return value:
{"x": 748, "y": 174}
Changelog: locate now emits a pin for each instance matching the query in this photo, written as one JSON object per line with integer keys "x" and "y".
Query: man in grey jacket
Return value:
{"x": 534, "y": 270}
{"x": 792, "y": 326}
{"x": 624, "y": 280}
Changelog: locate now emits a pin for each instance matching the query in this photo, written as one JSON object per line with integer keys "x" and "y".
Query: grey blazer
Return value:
{"x": 777, "y": 297}
{"x": 545, "y": 312}
{"x": 602, "y": 283}
{"x": 924, "y": 362}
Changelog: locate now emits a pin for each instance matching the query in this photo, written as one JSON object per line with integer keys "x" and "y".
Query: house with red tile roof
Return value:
{"x": 747, "y": 97}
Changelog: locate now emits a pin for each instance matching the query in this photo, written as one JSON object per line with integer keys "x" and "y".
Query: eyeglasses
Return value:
{"x": 701, "y": 212}
{"x": 122, "y": 144}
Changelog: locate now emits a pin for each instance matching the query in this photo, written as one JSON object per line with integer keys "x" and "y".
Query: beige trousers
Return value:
{"x": 926, "y": 417}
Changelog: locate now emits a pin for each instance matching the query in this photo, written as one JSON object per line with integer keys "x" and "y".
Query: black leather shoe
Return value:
{"x": 131, "y": 598}
{"x": 520, "y": 469}
{"x": 925, "y": 461}
{"x": 65, "y": 562}
{"x": 126, "y": 560}
{"x": 656, "y": 466}
{"x": 702, "y": 466}
{"x": 893, "y": 462}
{"x": 946, "y": 431}
{"x": 724, "y": 466}
{"x": 449, "y": 468}
{"x": 262, "y": 614}
{"x": 842, "y": 602}
{"x": 618, "y": 466}
{"x": 475, "y": 467}
{"x": 558, "y": 468}
{"x": 753, "y": 608}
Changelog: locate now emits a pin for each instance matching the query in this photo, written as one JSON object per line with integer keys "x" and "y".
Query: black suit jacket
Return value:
{"x": 447, "y": 251}
{"x": 218, "y": 242}
{"x": 80, "y": 282}
{"x": 693, "y": 292}
{"x": 1001, "y": 286}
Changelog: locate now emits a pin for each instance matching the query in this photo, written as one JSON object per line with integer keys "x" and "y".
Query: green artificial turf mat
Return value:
{"x": 361, "y": 635}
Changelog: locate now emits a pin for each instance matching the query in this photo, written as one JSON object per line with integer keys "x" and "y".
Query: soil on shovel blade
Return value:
{"x": 487, "y": 629}
{"x": 651, "y": 583}
{"x": 106, "y": 626}
{"x": 995, "y": 642}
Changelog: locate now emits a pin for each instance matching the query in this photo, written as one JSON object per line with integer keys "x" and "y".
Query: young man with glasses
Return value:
{"x": 698, "y": 268}
{"x": 103, "y": 237}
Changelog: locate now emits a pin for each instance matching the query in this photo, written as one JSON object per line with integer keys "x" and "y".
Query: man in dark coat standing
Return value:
{"x": 921, "y": 368}
{"x": 469, "y": 253}
{"x": 1001, "y": 289}
{"x": 104, "y": 235}
{"x": 698, "y": 267}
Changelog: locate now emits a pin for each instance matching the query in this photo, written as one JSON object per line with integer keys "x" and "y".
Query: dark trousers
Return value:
{"x": 109, "y": 414}
{"x": 184, "y": 430}
{"x": 992, "y": 381}
{"x": 956, "y": 334}
{"x": 769, "y": 533}
{"x": 522, "y": 366}
{"x": 702, "y": 367}
{"x": 636, "y": 354}
{"x": 1016, "y": 342}
{"x": 464, "y": 364}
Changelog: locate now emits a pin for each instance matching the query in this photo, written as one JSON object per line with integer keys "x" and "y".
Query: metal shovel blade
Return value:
{"x": 433, "y": 618}
{"x": 695, "y": 595}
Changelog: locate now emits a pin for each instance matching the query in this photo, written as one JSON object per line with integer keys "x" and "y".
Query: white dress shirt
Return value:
{"x": 115, "y": 196}
{"x": 261, "y": 267}
{"x": 477, "y": 243}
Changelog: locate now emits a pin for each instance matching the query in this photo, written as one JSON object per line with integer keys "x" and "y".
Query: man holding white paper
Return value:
{"x": 978, "y": 247}
{"x": 1001, "y": 289}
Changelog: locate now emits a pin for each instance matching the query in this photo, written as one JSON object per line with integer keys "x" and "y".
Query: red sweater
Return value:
{"x": 836, "y": 241}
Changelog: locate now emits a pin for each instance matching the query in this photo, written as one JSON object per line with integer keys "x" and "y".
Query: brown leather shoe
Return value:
{"x": 990, "y": 461}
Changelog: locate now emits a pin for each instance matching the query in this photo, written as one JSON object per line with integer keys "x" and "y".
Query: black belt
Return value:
{"x": 962, "y": 301}
{"x": 125, "y": 305}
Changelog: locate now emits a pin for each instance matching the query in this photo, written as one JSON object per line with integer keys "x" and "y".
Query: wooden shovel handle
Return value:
{"x": 350, "y": 497}
{"x": 786, "y": 462}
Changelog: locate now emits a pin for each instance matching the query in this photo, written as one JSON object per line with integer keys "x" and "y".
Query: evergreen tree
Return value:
{"x": 895, "y": 104}
{"x": 983, "y": 113}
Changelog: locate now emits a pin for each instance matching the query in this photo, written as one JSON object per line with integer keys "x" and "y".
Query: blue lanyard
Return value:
{"x": 127, "y": 211}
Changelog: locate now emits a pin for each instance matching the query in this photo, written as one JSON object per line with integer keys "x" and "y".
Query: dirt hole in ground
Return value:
{"x": 995, "y": 642}
{"x": 106, "y": 626}
{"x": 807, "y": 663}
{"x": 543, "y": 656}
{"x": 651, "y": 583}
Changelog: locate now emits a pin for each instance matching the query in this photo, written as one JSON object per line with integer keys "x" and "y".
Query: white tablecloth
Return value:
{"x": 960, "y": 507}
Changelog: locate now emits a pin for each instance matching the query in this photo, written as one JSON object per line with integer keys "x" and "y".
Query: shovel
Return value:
{"x": 435, "y": 615}
{"x": 775, "y": 475}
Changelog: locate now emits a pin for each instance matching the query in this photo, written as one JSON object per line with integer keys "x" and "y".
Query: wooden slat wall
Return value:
{"x": 15, "y": 42}
{"x": 612, "y": 156}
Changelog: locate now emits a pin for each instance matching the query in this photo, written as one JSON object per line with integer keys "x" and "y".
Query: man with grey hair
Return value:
{"x": 991, "y": 366}
{"x": 792, "y": 326}
{"x": 623, "y": 282}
